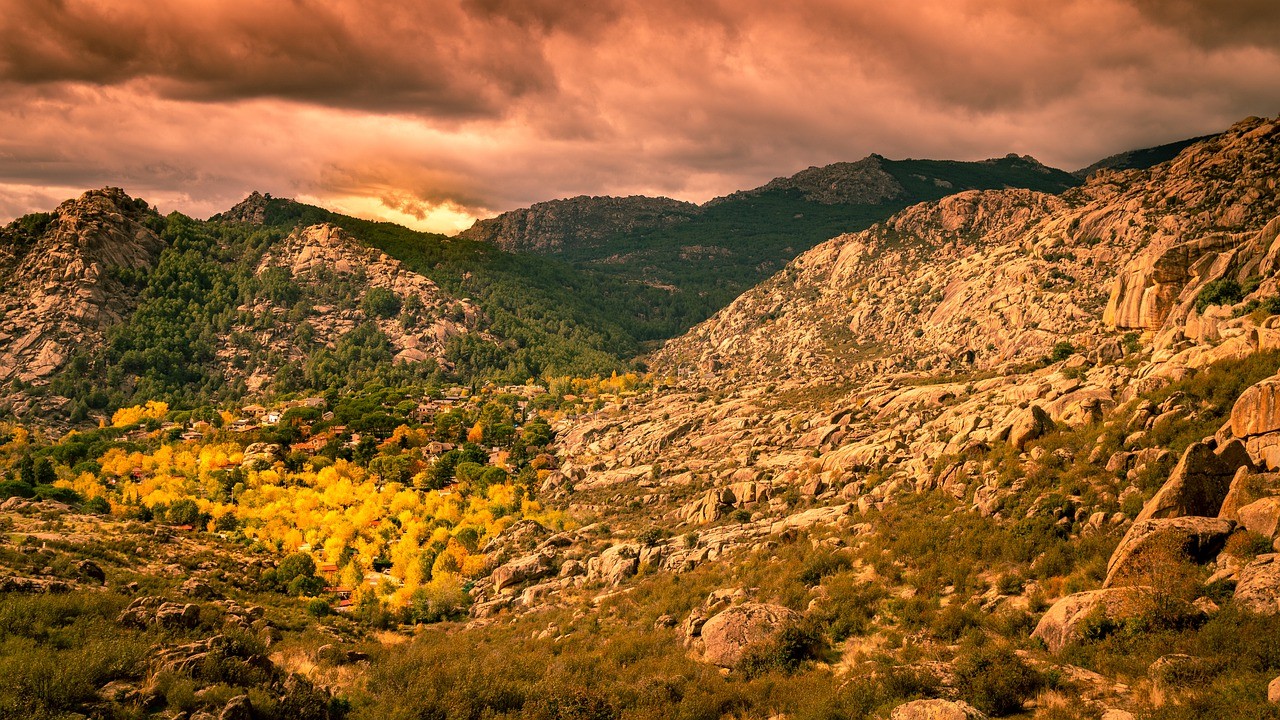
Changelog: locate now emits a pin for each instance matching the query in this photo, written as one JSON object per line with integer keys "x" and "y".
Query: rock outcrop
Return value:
{"x": 1258, "y": 589}
{"x": 936, "y": 710}
{"x": 728, "y": 636}
{"x": 64, "y": 283}
{"x": 1066, "y": 621}
{"x": 1199, "y": 482}
{"x": 1193, "y": 539}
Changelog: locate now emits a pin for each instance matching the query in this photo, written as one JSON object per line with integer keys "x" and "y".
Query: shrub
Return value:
{"x": 296, "y": 575}
{"x": 380, "y": 302}
{"x": 1219, "y": 292}
{"x": 319, "y": 607}
{"x": 1061, "y": 351}
{"x": 789, "y": 648}
{"x": 994, "y": 679}
{"x": 650, "y": 537}
{"x": 183, "y": 512}
{"x": 60, "y": 494}
{"x": 97, "y": 506}
{"x": 16, "y": 488}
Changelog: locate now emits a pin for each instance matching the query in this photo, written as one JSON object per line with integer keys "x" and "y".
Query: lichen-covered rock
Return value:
{"x": 517, "y": 572}
{"x": 1258, "y": 588}
{"x": 1257, "y": 410}
{"x": 1262, "y": 517}
{"x": 1248, "y": 487}
{"x": 614, "y": 564}
{"x": 728, "y": 635}
{"x": 1030, "y": 425}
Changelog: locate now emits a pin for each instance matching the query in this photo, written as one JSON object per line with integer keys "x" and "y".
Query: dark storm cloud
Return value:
{"x": 437, "y": 111}
{"x": 428, "y": 58}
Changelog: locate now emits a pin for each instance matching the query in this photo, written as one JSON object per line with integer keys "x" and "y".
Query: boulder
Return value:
{"x": 1198, "y": 539}
{"x": 199, "y": 589}
{"x": 522, "y": 570}
{"x": 1064, "y": 622}
{"x": 1199, "y": 482}
{"x": 1248, "y": 487}
{"x": 1273, "y": 691}
{"x": 140, "y": 613}
{"x": 936, "y": 710}
{"x": 1258, "y": 589}
{"x": 237, "y": 708}
{"x": 178, "y": 615}
{"x": 727, "y": 636}
{"x": 1257, "y": 411}
{"x": 614, "y": 564}
{"x": 1262, "y": 517}
{"x": 1030, "y": 424}
{"x": 89, "y": 570}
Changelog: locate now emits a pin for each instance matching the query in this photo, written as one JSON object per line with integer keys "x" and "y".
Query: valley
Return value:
{"x": 884, "y": 439}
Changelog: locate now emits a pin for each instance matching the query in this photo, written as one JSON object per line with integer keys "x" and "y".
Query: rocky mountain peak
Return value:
{"x": 65, "y": 286}
{"x": 863, "y": 182}
{"x": 252, "y": 210}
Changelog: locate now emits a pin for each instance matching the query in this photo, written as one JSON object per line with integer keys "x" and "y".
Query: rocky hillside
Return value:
{"x": 1140, "y": 159}
{"x": 69, "y": 276}
{"x": 415, "y": 316}
{"x": 549, "y": 227}
{"x": 1004, "y": 454}
{"x": 987, "y": 280}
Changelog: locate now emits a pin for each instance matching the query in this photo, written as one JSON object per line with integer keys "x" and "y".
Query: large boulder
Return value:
{"x": 936, "y": 710}
{"x": 522, "y": 570}
{"x": 1199, "y": 481}
{"x": 1065, "y": 622}
{"x": 727, "y": 636}
{"x": 1262, "y": 517}
{"x": 1256, "y": 418}
{"x": 1031, "y": 424}
{"x": 1248, "y": 487}
{"x": 1196, "y": 539}
{"x": 614, "y": 564}
{"x": 1258, "y": 589}
{"x": 1257, "y": 411}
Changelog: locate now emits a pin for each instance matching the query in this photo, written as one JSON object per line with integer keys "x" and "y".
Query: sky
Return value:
{"x": 435, "y": 113}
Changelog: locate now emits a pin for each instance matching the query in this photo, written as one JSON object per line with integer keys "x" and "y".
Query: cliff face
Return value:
{"x": 66, "y": 279}
{"x": 559, "y": 224}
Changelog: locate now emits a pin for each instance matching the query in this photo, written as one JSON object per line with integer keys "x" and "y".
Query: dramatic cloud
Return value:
{"x": 436, "y": 112}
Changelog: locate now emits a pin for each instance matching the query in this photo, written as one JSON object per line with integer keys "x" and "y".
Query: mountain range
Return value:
{"x": 110, "y": 301}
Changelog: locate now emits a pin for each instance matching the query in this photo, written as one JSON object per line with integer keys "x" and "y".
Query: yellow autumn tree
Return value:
{"x": 151, "y": 410}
